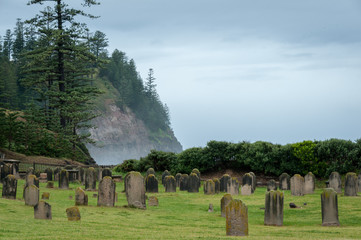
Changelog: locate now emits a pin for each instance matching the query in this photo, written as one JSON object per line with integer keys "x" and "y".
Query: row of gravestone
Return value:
{"x": 236, "y": 212}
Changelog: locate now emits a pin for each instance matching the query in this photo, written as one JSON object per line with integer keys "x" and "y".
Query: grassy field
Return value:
{"x": 180, "y": 215}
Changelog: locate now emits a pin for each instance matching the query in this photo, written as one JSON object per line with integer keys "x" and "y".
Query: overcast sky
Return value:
{"x": 280, "y": 71}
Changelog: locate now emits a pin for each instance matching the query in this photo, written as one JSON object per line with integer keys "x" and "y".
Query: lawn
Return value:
{"x": 180, "y": 215}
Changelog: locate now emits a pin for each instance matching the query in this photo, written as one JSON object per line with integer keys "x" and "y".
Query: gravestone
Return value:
{"x": 297, "y": 185}
{"x": 183, "y": 185}
{"x": 271, "y": 185}
{"x": 334, "y": 181}
{"x": 196, "y": 171}
{"x": 273, "y": 214}
{"x": 45, "y": 195}
{"x": 90, "y": 179}
{"x": 329, "y": 207}
{"x": 64, "y": 179}
{"x": 310, "y": 181}
{"x": 81, "y": 198}
{"x": 170, "y": 184}
{"x": 31, "y": 195}
{"x": 37, "y": 173}
{"x": 227, "y": 198}
{"x": 135, "y": 190}
{"x": 73, "y": 214}
{"x": 106, "y": 192}
{"x": 351, "y": 184}
{"x": 31, "y": 180}
{"x": 98, "y": 174}
{"x": 209, "y": 187}
{"x": 254, "y": 181}
{"x": 42, "y": 210}
{"x": 50, "y": 185}
{"x": 359, "y": 183}
{"x": 178, "y": 178}
{"x": 248, "y": 179}
{"x": 126, "y": 179}
{"x": 236, "y": 218}
{"x": 224, "y": 182}
{"x": 9, "y": 187}
{"x": 150, "y": 171}
{"x": 151, "y": 184}
{"x": 193, "y": 183}
{"x": 246, "y": 190}
{"x": 81, "y": 176}
{"x": 217, "y": 185}
{"x": 106, "y": 172}
{"x": 153, "y": 201}
{"x": 56, "y": 173}
{"x": 233, "y": 186}
{"x": 30, "y": 171}
{"x": 165, "y": 173}
{"x": 6, "y": 169}
{"x": 284, "y": 181}
{"x": 49, "y": 174}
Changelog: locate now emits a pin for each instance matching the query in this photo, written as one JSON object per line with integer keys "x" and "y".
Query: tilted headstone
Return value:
{"x": 297, "y": 185}
{"x": 135, "y": 190}
{"x": 73, "y": 214}
{"x": 254, "y": 181}
{"x": 153, "y": 201}
{"x": 236, "y": 218}
{"x": 31, "y": 195}
{"x": 10, "y": 185}
{"x": 233, "y": 186}
{"x": 273, "y": 214}
{"x": 151, "y": 184}
{"x": 56, "y": 173}
{"x": 31, "y": 180}
{"x": 217, "y": 185}
{"x": 165, "y": 173}
{"x": 42, "y": 210}
{"x": 45, "y": 195}
{"x": 49, "y": 174}
{"x": 81, "y": 198}
{"x": 224, "y": 182}
{"x": 183, "y": 185}
{"x": 227, "y": 198}
{"x": 359, "y": 183}
{"x": 150, "y": 171}
{"x": 178, "y": 178}
{"x": 271, "y": 185}
{"x": 106, "y": 192}
{"x": 284, "y": 181}
{"x": 90, "y": 179}
{"x": 209, "y": 187}
{"x": 351, "y": 184}
{"x": 310, "y": 182}
{"x": 329, "y": 207}
{"x": 170, "y": 184}
{"x": 193, "y": 183}
{"x": 334, "y": 182}
{"x": 64, "y": 179}
{"x": 248, "y": 179}
{"x": 246, "y": 190}
{"x": 106, "y": 172}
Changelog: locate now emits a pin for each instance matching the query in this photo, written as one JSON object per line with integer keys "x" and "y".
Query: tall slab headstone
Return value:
{"x": 273, "y": 214}
{"x": 271, "y": 185}
{"x": 233, "y": 186}
{"x": 334, "y": 181}
{"x": 224, "y": 182}
{"x": 310, "y": 183}
{"x": 42, "y": 210}
{"x": 81, "y": 198}
{"x": 284, "y": 181}
{"x": 193, "y": 183}
{"x": 90, "y": 179}
{"x": 183, "y": 184}
{"x": 31, "y": 195}
{"x": 329, "y": 207}
{"x": 151, "y": 184}
{"x": 135, "y": 190}
{"x": 236, "y": 218}
{"x": 351, "y": 184}
{"x": 9, "y": 187}
{"x": 209, "y": 187}
{"x": 170, "y": 184}
{"x": 63, "y": 179}
{"x": 227, "y": 198}
{"x": 297, "y": 185}
{"x": 106, "y": 192}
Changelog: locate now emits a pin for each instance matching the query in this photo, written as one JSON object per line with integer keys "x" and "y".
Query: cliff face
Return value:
{"x": 119, "y": 135}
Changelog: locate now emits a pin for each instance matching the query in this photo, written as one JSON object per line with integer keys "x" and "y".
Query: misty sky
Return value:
{"x": 280, "y": 71}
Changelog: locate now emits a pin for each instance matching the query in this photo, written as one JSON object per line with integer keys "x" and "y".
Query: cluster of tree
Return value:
{"x": 319, "y": 157}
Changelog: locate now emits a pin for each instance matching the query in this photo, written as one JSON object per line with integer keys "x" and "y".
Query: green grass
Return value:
{"x": 180, "y": 215}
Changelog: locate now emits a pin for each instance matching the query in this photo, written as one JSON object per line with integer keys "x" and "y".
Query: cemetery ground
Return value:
{"x": 180, "y": 215}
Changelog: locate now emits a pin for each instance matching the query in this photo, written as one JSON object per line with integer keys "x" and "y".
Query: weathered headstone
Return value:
{"x": 50, "y": 185}
{"x": 170, "y": 184}
{"x": 254, "y": 181}
{"x": 178, "y": 178}
{"x": 49, "y": 174}
{"x": 236, "y": 218}
{"x": 233, "y": 186}
{"x": 56, "y": 173}
{"x": 45, "y": 195}
{"x": 31, "y": 195}
{"x": 329, "y": 207}
{"x": 135, "y": 190}
{"x": 126, "y": 179}
{"x": 30, "y": 171}
{"x": 246, "y": 190}
{"x": 90, "y": 179}
{"x": 217, "y": 185}
{"x": 183, "y": 185}
{"x": 209, "y": 187}
{"x": 273, "y": 214}
{"x": 43, "y": 177}
{"x": 81, "y": 198}
{"x": 193, "y": 183}
{"x": 9, "y": 187}
{"x": 310, "y": 181}
{"x": 196, "y": 171}
{"x": 284, "y": 181}
{"x": 31, "y": 180}
{"x": 351, "y": 184}
{"x": 98, "y": 174}
{"x": 106, "y": 172}
{"x": 271, "y": 185}
{"x": 227, "y": 198}
{"x": 106, "y": 192}
{"x": 334, "y": 182}
{"x": 297, "y": 185}
{"x": 224, "y": 182}
{"x": 42, "y": 210}
{"x": 63, "y": 179}
{"x": 150, "y": 171}
{"x": 165, "y": 173}
{"x": 359, "y": 183}
{"x": 248, "y": 179}
{"x": 151, "y": 184}
{"x": 73, "y": 214}
{"x": 81, "y": 175}
{"x": 153, "y": 201}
